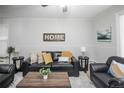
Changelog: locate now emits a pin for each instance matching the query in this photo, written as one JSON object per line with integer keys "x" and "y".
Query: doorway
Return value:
{"x": 120, "y": 35}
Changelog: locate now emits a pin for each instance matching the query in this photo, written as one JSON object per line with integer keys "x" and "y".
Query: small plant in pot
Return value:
{"x": 10, "y": 50}
{"x": 44, "y": 72}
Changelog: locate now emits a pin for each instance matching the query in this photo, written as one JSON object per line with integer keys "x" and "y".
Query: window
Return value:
{"x": 3, "y": 39}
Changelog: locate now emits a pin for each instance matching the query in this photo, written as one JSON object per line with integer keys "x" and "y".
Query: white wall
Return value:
{"x": 26, "y": 34}
{"x": 122, "y": 36}
{"x": 103, "y": 50}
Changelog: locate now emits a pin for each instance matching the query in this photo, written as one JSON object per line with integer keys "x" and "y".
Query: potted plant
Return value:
{"x": 44, "y": 72}
{"x": 10, "y": 50}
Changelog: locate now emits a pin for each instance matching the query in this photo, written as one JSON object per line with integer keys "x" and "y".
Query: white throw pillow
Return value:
{"x": 33, "y": 58}
{"x": 40, "y": 58}
{"x": 63, "y": 59}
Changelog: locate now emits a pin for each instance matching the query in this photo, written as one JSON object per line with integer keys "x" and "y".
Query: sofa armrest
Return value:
{"x": 25, "y": 66}
{"x": 99, "y": 67}
{"x": 73, "y": 59}
{"x": 28, "y": 61}
{"x": 75, "y": 62}
{"x": 76, "y": 66}
{"x": 7, "y": 68}
{"x": 116, "y": 83}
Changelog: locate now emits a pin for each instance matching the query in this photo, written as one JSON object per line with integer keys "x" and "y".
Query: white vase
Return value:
{"x": 45, "y": 77}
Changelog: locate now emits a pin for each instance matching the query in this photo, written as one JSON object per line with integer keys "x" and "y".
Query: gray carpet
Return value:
{"x": 82, "y": 81}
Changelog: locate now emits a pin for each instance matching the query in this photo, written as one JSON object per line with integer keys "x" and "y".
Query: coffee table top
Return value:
{"x": 35, "y": 80}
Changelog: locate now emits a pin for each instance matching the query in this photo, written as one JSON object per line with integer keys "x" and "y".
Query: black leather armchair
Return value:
{"x": 6, "y": 74}
{"x": 100, "y": 77}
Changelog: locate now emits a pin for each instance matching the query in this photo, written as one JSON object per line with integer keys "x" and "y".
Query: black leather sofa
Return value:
{"x": 6, "y": 74}
{"x": 100, "y": 77}
{"x": 72, "y": 68}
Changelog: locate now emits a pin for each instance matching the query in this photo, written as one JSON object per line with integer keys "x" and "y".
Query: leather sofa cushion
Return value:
{"x": 103, "y": 77}
{"x": 4, "y": 77}
{"x": 55, "y": 66}
{"x": 62, "y": 64}
{"x": 35, "y": 65}
{"x": 61, "y": 67}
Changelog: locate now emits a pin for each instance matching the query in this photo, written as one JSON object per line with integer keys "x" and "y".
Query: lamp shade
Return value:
{"x": 83, "y": 49}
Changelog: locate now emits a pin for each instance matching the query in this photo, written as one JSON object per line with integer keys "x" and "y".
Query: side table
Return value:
{"x": 18, "y": 59}
{"x": 84, "y": 61}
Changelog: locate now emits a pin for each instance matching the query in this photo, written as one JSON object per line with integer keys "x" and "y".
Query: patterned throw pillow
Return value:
{"x": 47, "y": 58}
{"x": 56, "y": 56}
{"x": 115, "y": 70}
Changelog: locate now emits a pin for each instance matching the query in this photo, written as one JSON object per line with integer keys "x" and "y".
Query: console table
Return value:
{"x": 18, "y": 59}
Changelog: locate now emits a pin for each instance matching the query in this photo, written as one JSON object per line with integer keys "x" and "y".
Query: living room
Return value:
{"x": 71, "y": 30}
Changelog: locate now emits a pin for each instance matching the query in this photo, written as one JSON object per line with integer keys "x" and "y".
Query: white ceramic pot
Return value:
{"x": 45, "y": 77}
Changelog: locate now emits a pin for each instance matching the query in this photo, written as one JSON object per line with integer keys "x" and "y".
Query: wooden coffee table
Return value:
{"x": 55, "y": 80}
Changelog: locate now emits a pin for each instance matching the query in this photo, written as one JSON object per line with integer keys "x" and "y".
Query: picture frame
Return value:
{"x": 105, "y": 35}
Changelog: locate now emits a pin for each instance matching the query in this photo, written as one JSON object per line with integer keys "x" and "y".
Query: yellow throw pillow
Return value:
{"x": 47, "y": 58}
{"x": 117, "y": 72}
{"x": 67, "y": 54}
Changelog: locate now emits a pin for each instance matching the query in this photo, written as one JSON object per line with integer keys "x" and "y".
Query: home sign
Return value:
{"x": 53, "y": 36}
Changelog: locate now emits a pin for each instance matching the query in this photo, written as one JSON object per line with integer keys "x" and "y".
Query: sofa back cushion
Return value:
{"x": 56, "y": 55}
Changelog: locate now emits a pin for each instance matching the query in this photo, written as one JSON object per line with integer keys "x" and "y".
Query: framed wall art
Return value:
{"x": 105, "y": 35}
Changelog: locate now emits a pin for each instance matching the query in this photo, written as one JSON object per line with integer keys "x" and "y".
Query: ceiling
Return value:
{"x": 51, "y": 11}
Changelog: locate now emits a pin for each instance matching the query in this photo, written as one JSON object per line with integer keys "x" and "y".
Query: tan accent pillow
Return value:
{"x": 47, "y": 58}
{"x": 117, "y": 72}
{"x": 66, "y": 54}
{"x": 40, "y": 58}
